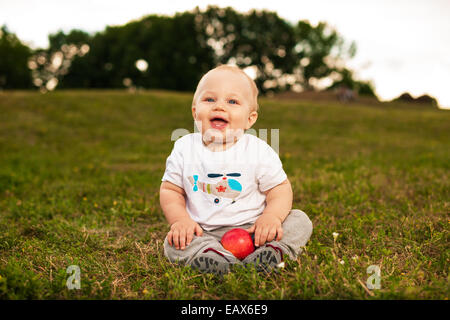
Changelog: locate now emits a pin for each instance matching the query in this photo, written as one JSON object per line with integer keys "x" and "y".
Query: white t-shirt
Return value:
{"x": 224, "y": 188}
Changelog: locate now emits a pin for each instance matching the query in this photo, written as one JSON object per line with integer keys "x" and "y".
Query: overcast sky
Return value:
{"x": 402, "y": 45}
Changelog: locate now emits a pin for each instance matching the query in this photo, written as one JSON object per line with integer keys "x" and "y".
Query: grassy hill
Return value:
{"x": 80, "y": 173}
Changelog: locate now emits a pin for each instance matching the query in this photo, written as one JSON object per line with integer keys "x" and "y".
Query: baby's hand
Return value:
{"x": 266, "y": 227}
{"x": 182, "y": 232}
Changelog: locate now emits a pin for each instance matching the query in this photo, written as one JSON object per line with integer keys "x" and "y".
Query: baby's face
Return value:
{"x": 224, "y": 106}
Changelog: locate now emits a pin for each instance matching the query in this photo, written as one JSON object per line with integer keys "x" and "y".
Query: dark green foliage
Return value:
{"x": 14, "y": 55}
{"x": 320, "y": 47}
{"x": 168, "y": 45}
{"x": 178, "y": 50}
{"x": 259, "y": 38}
{"x": 347, "y": 80}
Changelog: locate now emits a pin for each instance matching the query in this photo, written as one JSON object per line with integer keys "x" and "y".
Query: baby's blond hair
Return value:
{"x": 236, "y": 69}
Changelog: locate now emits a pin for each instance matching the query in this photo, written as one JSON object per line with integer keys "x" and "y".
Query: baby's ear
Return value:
{"x": 253, "y": 116}
{"x": 194, "y": 111}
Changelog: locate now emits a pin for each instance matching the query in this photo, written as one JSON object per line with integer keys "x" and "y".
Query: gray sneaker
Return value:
{"x": 212, "y": 261}
{"x": 265, "y": 258}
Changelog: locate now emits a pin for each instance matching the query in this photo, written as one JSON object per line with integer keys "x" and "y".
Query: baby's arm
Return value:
{"x": 278, "y": 206}
{"x": 173, "y": 204}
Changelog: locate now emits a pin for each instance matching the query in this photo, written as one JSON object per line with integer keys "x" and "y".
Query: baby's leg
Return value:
{"x": 204, "y": 253}
{"x": 297, "y": 229}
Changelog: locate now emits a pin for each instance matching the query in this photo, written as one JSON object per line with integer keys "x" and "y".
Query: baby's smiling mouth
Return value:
{"x": 218, "y": 123}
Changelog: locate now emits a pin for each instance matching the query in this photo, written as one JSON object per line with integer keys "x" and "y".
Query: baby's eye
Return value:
{"x": 232, "y": 101}
{"x": 209, "y": 99}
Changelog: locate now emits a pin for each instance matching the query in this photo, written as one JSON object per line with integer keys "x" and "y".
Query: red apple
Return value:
{"x": 238, "y": 242}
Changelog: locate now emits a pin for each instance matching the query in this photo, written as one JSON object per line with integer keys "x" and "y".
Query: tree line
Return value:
{"x": 173, "y": 52}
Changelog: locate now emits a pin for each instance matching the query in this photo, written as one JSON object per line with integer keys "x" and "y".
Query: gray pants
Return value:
{"x": 297, "y": 228}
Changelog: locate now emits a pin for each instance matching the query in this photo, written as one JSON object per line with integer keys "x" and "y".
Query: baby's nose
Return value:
{"x": 218, "y": 106}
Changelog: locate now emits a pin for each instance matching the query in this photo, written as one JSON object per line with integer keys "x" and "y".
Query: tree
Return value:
{"x": 154, "y": 52}
{"x": 425, "y": 100}
{"x": 14, "y": 55}
{"x": 51, "y": 65}
{"x": 320, "y": 51}
{"x": 174, "y": 52}
{"x": 345, "y": 78}
{"x": 259, "y": 39}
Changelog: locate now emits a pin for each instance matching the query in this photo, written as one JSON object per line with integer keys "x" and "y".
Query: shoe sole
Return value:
{"x": 265, "y": 261}
{"x": 210, "y": 265}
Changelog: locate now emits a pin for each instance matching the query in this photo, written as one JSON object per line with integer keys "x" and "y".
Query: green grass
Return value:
{"x": 80, "y": 173}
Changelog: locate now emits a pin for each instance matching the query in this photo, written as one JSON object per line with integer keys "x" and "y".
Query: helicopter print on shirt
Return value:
{"x": 225, "y": 188}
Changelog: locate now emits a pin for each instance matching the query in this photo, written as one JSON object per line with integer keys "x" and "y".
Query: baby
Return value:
{"x": 222, "y": 178}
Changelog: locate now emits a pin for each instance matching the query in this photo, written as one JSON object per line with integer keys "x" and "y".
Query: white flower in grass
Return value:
{"x": 335, "y": 235}
{"x": 341, "y": 262}
{"x": 281, "y": 265}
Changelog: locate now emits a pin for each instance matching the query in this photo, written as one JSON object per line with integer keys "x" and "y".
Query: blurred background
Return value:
{"x": 348, "y": 50}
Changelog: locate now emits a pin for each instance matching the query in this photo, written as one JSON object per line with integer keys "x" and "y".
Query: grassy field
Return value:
{"x": 80, "y": 173}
